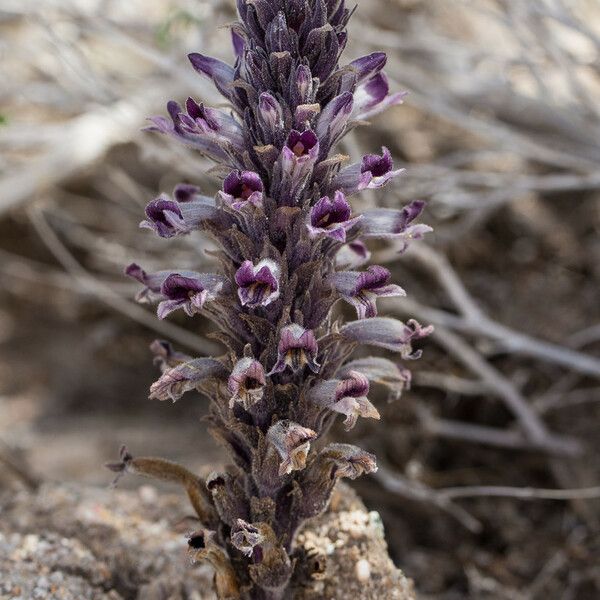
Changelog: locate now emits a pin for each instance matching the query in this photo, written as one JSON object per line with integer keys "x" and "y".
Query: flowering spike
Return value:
{"x": 290, "y": 245}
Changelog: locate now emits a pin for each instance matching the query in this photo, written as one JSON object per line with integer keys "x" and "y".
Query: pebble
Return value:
{"x": 363, "y": 570}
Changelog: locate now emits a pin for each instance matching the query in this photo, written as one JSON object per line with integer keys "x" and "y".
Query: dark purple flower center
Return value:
{"x": 339, "y": 214}
{"x": 245, "y": 192}
{"x": 258, "y": 291}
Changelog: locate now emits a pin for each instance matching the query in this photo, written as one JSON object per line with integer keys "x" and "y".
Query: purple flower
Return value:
{"x": 302, "y": 146}
{"x": 382, "y": 371}
{"x": 292, "y": 443}
{"x": 241, "y": 188}
{"x": 209, "y": 144}
{"x": 151, "y": 282}
{"x": 246, "y": 383}
{"x": 297, "y": 348}
{"x": 346, "y": 396}
{"x": 184, "y": 289}
{"x": 211, "y": 123}
{"x": 219, "y": 72}
{"x": 389, "y": 223}
{"x": 362, "y": 289}
{"x": 169, "y": 218}
{"x": 175, "y": 382}
{"x": 188, "y": 293}
{"x": 331, "y": 218}
{"x": 294, "y": 166}
{"x": 258, "y": 285}
{"x": 299, "y": 155}
{"x": 271, "y": 564}
{"x": 165, "y": 356}
{"x": 372, "y": 172}
{"x": 373, "y": 96}
{"x": 388, "y": 333}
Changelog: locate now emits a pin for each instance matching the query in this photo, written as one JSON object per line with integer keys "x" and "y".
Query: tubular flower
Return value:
{"x": 258, "y": 285}
{"x": 297, "y": 348}
{"x": 289, "y": 245}
{"x": 331, "y": 218}
{"x": 347, "y": 396}
{"x": 246, "y": 383}
{"x": 362, "y": 289}
{"x": 242, "y": 188}
{"x": 292, "y": 443}
{"x": 168, "y": 218}
{"x": 372, "y": 172}
{"x": 173, "y": 290}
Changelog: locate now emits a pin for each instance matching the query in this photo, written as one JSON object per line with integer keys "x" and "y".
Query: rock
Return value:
{"x": 67, "y": 542}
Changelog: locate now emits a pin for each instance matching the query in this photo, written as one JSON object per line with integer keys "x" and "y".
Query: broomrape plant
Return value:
{"x": 290, "y": 247}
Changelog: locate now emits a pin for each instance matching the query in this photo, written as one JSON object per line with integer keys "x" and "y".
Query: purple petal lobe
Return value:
{"x": 382, "y": 371}
{"x": 346, "y": 396}
{"x": 387, "y": 223}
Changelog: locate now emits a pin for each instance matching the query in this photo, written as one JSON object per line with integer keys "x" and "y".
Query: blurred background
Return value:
{"x": 489, "y": 479}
